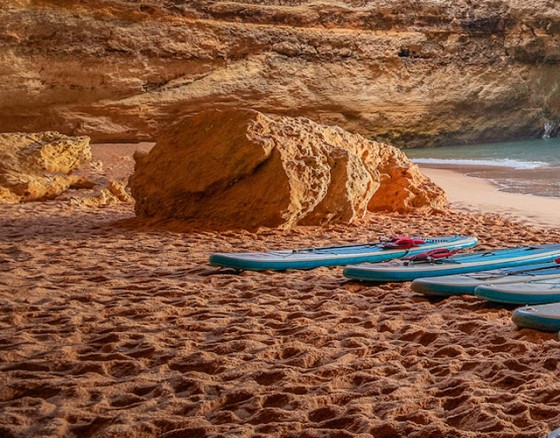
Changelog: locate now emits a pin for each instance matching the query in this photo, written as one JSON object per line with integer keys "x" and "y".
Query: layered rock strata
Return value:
{"x": 408, "y": 72}
{"x": 244, "y": 169}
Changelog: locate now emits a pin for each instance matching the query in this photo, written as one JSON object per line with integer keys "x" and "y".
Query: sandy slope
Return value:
{"x": 117, "y": 331}
{"x": 478, "y": 195}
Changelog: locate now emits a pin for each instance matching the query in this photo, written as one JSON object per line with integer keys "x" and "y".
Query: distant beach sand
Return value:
{"x": 477, "y": 195}
{"x": 113, "y": 331}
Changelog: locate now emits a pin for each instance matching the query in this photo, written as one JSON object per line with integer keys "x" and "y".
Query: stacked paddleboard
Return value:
{"x": 422, "y": 267}
{"x": 545, "y": 317}
{"x": 546, "y": 290}
{"x": 523, "y": 275}
{"x": 485, "y": 282}
{"x": 529, "y": 285}
{"x": 309, "y": 258}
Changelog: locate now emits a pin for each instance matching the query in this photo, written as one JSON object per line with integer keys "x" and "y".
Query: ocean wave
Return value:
{"x": 506, "y": 162}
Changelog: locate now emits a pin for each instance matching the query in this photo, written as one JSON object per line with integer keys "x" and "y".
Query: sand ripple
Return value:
{"x": 112, "y": 331}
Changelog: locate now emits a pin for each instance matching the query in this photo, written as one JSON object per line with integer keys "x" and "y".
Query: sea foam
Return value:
{"x": 506, "y": 162}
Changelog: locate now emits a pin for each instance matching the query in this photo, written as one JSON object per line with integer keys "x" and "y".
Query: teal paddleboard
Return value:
{"x": 309, "y": 258}
{"x": 544, "y": 317}
{"x": 406, "y": 270}
{"x": 467, "y": 283}
{"x": 540, "y": 291}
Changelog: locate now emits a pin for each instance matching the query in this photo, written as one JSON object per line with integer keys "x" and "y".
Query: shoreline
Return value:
{"x": 471, "y": 194}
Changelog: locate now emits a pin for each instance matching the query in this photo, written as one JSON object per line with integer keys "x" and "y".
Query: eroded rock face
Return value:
{"x": 244, "y": 169}
{"x": 38, "y": 166}
{"x": 407, "y": 72}
{"x": 114, "y": 192}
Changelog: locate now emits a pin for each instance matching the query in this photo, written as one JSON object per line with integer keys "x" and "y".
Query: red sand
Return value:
{"x": 113, "y": 331}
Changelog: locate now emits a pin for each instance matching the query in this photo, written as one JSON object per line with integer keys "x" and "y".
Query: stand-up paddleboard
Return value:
{"x": 309, "y": 258}
{"x": 423, "y": 265}
{"x": 467, "y": 283}
{"x": 545, "y": 317}
{"x": 530, "y": 292}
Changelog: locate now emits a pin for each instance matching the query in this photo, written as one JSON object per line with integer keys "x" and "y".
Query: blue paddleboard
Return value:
{"x": 406, "y": 270}
{"x": 467, "y": 283}
{"x": 539, "y": 291}
{"x": 545, "y": 317}
{"x": 309, "y": 258}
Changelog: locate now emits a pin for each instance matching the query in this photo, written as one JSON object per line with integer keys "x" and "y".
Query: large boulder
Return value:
{"x": 38, "y": 166}
{"x": 243, "y": 169}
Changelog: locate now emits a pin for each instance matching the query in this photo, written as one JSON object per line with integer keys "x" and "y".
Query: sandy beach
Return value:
{"x": 110, "y": 330}
{"x": 475, "y": 195}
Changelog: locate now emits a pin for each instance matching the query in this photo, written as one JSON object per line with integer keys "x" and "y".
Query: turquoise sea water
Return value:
{"x": 531, "y": 167}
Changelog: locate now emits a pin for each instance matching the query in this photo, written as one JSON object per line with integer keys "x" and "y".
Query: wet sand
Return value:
{"x": 477, "y": 195}
{"x": 115, "y": 331}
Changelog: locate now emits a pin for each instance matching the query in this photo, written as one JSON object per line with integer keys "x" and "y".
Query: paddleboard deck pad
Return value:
{"x": 407, "y": 270}
{"x": 309, "y": 258}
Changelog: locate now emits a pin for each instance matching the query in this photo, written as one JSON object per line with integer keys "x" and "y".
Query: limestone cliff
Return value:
{"x": 244, "y": 169}
{"x": 405, "y": 71}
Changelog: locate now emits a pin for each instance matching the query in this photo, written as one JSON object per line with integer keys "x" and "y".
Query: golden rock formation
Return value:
{"x": 114, "y": 192}
{"x": 244, "y": 169}
{"x": 37, "y": 167}
{"x": 402, "y": 71}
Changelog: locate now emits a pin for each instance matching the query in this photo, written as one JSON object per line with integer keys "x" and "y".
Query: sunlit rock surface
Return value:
{"x": 406, "y": 72}
{"x": 244, "y": 169}
{"x": 38, "y": 166}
